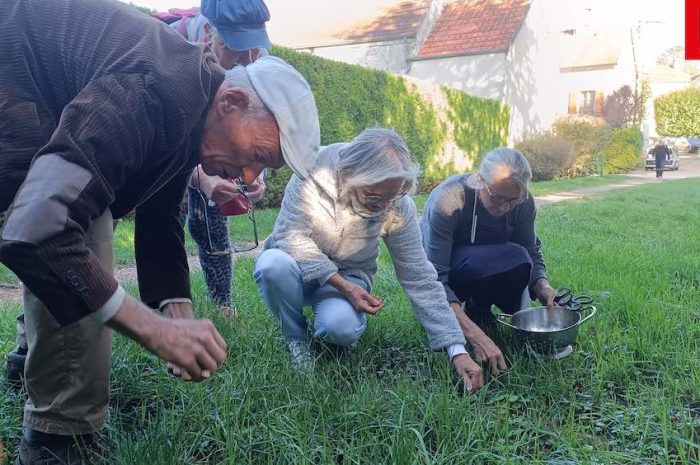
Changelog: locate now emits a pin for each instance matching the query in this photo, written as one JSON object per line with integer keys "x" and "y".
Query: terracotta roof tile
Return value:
{"x": 474, "y": 26}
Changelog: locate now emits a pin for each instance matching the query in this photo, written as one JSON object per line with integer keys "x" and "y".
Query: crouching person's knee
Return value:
{"x": 342, "y": 329}
{"x": 275, "y": 268}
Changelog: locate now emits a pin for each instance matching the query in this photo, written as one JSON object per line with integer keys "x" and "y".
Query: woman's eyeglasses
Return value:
{"x": 372, "y": 199}
{"x": 237, "y": 245}
{"x": 499, "y": 200}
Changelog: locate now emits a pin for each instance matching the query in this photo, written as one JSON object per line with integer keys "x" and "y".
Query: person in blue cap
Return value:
{"x": 235, "y": 31}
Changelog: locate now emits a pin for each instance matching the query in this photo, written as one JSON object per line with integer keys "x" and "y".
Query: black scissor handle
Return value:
{"x": 563, "y": 296}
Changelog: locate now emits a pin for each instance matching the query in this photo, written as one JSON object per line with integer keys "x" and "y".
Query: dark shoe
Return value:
{"x": 37, "y": 448}
{"x": 14, "y": 371}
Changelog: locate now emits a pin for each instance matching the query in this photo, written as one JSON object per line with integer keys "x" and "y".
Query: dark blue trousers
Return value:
{"x": 493, "y": 274}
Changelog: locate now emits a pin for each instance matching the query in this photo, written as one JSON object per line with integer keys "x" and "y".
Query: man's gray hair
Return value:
{"x": 502, "y": 163}
{"x": 375, "y": 155}
{"x": 238, "y": 77}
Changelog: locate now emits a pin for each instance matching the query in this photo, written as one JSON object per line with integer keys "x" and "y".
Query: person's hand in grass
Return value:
{"x": 469, "y": 372}
{"x": 486, "y": 352}
{"x": 545, "y": 293}
{"x": 193, "y": 345}
{"x": 178, "y": 310}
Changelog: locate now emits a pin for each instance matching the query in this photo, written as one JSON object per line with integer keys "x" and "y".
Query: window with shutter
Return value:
{"x": 598, "y": 105}
{"x": 587, "y": 102}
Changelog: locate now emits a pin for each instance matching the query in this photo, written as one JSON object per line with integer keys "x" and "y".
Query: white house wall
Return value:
{"x": 387, "y": 56}
{"x": 536, "y": 89}
{"x": 480, "y": 75}
{"x": 533, "y": 86}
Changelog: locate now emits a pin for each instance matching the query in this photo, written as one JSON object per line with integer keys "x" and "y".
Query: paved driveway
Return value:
{"x": 690, "y": 168}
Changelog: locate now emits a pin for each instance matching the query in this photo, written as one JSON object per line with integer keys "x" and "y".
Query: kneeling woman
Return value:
{"x": 479, "y": 232}
{"x": 324, "y": 247}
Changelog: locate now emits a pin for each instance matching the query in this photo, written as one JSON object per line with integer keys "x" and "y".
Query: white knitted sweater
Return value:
{"x": 326, "y": 237}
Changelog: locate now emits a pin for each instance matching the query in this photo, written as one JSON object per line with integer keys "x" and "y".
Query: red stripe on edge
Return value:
{"x": 692, "y": 29}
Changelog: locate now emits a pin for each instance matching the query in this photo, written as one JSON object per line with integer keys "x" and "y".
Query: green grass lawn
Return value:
{"x": 561, "y": 185}
{"x": 629, "y": 394}
{"x": 240, "y": 229}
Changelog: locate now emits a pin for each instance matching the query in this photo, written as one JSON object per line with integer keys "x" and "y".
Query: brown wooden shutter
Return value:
{"x": 598, "y": 105}
{"x": 573, "y": 97}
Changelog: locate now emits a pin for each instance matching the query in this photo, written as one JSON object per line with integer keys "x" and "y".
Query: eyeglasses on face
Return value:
{"x": 235, "y": 247}
{"x": 374, "y": 199}
{"x": 501, "y": 200}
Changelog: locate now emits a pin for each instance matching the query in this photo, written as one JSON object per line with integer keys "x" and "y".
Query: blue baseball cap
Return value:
{"x": 241, "y": 23}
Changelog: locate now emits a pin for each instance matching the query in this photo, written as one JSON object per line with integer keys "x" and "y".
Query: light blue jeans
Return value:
{"x": 335, "y": 319}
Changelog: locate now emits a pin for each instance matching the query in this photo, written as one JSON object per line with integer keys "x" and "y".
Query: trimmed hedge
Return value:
{"x": 351, "y": 98}
{"x": 677, "y": 113}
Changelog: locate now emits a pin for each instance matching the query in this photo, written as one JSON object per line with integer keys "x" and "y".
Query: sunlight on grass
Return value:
{"x": 629, "y": 394}
{"x": 562, "y": 185}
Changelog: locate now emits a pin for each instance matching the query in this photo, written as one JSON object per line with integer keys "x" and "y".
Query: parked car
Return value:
{"x": 694, "y": 142}
{"x": 672, "y": 163}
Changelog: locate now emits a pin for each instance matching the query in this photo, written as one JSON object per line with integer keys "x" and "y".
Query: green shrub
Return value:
{"x": 350, "y": 98}
{"x": 589, "y": 136}
{"x": 624, "y": 151}
{"x": 677, "y": 113}
{"x": 549, "y": 156}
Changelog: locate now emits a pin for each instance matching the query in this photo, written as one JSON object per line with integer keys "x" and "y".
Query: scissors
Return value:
{"x": 566, "y": 299}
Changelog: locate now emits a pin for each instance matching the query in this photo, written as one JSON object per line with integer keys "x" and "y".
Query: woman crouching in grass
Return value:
{"x": 324, "y": 248}
{"x": 479, "y": 231}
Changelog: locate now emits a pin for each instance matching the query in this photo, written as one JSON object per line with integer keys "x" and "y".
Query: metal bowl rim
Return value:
{"x": 533, "y": 309}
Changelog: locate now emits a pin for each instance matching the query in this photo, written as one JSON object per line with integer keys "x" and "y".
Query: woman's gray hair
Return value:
{"x": 375, "y": 155}
{"x": 502, "y": 163}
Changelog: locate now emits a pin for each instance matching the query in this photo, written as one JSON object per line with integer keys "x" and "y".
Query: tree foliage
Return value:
{"x": 625, "y": 107}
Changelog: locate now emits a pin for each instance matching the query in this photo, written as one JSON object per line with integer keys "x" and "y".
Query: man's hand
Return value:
{"x": 182, "y": 310}
{"x": 178, "y": 310}
{"x": 193, "y": 348}
{"x": 545, "y": 293}
{"x": 194, "y": 345}
{"x": 469, "y": 371}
